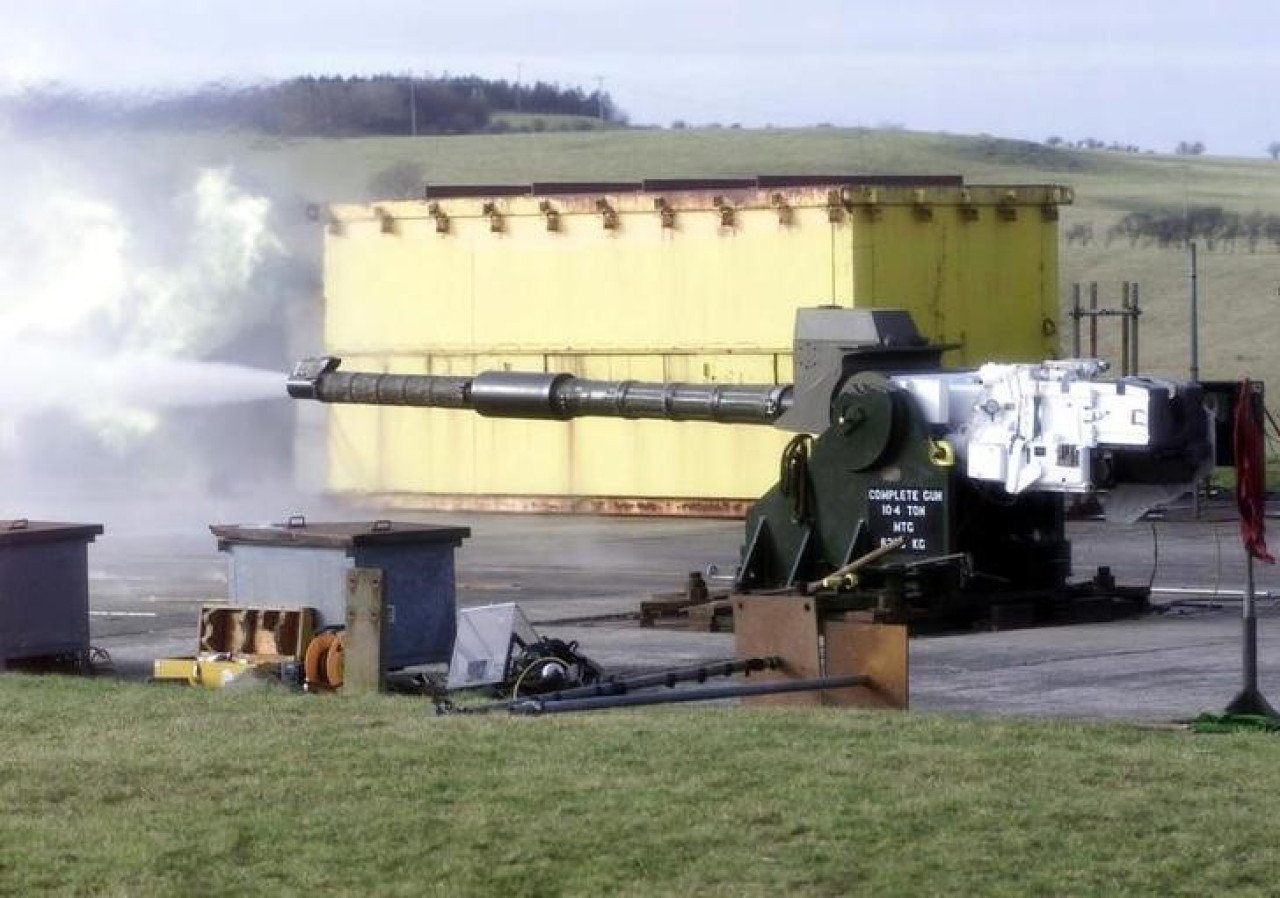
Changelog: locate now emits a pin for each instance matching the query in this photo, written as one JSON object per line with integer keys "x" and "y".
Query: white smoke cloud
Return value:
{"x": 81, "y": 275}
{"x": 203, "y": 299}
{"x": 139, "y": 387}
{"x": 67, "y": 262}
{"x": 116, "y": 290}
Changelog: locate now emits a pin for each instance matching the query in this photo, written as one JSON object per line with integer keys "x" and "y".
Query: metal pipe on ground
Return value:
{"x": 538, "y": 706}
{"x": 623, "y": 685}
{"x": 696, "y": 674}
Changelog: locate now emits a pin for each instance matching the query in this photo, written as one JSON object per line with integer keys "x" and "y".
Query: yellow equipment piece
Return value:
{"x": 213, "y": 671}
{"x": 672, "y": 283}
{"x": 234, "y": 642}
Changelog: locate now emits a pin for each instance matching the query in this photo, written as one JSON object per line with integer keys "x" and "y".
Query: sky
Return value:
{"x": 1144, "y": 72}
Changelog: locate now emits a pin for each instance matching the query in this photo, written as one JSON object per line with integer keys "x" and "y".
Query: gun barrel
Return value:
{"x": 516, "y": 394}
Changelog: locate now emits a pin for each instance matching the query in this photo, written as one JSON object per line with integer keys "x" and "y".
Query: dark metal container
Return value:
{"x": 44, "y": 589}
{"x": 304, "y": 564}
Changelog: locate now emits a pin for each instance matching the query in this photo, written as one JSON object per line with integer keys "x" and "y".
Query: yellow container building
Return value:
{"x": 673, "y": 281}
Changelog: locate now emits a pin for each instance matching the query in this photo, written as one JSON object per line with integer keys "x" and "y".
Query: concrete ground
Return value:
{"x": 148, "y": 581}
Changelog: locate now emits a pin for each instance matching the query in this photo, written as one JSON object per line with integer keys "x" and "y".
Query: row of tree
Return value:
{"x": 321, "y": 106}
{"x": 1184, "y": 147}
{"x": 1092, "y": 143}
{"x": 1212, "y": 226}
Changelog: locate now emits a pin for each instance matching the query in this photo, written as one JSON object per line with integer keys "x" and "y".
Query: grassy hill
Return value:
{"x": 1239, "y": 289}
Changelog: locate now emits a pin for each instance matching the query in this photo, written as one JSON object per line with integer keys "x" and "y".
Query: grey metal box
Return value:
{"x": 303, "y": 564}
{"x": 44, "y": 588}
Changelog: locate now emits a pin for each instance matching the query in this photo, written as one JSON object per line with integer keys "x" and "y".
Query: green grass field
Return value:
{"x": 114, "y": 789}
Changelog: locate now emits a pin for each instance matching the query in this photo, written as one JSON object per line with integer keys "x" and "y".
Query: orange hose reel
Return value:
{"x": 323, "y": 664}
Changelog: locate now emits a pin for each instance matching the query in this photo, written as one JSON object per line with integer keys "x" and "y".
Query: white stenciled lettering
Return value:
{"x": 911, "y": 514}
{"x": 903, "y": 494}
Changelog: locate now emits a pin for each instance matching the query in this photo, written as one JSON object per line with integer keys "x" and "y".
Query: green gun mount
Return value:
{"x": 968, "y": 469}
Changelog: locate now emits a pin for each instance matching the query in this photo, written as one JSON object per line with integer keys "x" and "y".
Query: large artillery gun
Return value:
{"x": 964, "y": 472}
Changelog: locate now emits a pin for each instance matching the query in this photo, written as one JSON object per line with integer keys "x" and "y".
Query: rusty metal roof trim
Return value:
{"x": 723, "y": 197}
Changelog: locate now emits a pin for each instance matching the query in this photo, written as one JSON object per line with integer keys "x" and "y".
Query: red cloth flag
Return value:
{"x": 1250, "y": 484}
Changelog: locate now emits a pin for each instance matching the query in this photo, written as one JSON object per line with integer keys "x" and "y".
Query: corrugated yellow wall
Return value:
{"x": 610, "y": 287}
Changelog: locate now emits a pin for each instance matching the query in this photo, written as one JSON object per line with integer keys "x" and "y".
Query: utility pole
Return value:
{"x": 1194, "y": 315}
{"x": 413, "y": 106}
{"x": 600, "y": 97}
{"x": 519, "y": 78}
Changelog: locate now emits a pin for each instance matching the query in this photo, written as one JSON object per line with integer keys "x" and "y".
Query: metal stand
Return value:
{"x": 1250, "y": 700}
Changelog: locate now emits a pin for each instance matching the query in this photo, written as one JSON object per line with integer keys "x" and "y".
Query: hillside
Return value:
{"x": 1239, "y": 289}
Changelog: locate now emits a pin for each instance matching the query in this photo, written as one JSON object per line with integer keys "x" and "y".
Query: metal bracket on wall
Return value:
{"x": 786, "y": 214}
{"x": 835, "y": 206}
{"x": 727, "y": 214}
{"x": 665, "y": 212}
{"x": 440, "y": 216}
{"x": 550, "y": 214}
{"x": 496, "y": 223}
{"x": 921, "y": 208}
{"x": 608, "y": 215}
{"x": 1006, "y": 209}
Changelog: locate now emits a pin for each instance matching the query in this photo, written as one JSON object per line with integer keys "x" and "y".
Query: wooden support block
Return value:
{"x": 365, "y": 639}
{"x": 812, "y": 645}
{"x": 877, "y": 650}
{"x": 783, "y": 626}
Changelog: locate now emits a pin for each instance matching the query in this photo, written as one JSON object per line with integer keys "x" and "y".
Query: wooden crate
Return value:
{"x": 260, "y": 633}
